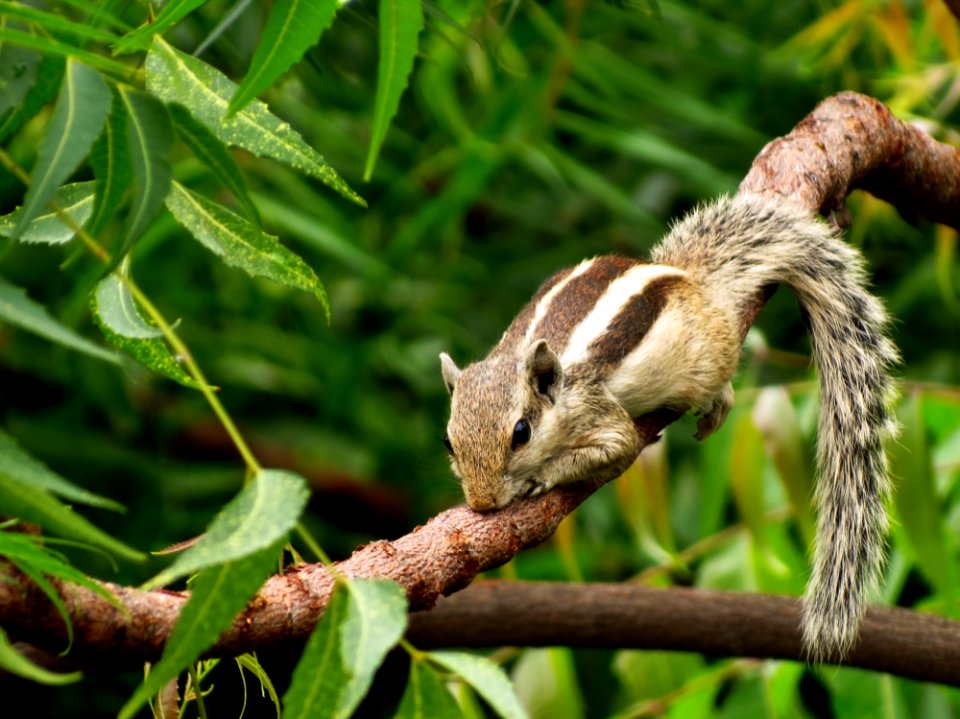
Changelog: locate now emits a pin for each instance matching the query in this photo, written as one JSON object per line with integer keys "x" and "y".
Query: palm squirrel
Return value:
{"x": 614, "y": 338}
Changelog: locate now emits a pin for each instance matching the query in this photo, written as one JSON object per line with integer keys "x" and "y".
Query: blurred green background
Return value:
{"x": 532, "y": 135}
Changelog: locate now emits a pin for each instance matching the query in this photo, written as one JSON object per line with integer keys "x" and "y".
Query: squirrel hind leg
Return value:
{"x": 713, "y": 417}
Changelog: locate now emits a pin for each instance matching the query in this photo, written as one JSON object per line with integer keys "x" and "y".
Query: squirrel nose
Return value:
{"x": 482, "y": 502}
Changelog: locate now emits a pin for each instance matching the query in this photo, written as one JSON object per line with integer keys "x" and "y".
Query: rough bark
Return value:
{"x": 849, "y": 141}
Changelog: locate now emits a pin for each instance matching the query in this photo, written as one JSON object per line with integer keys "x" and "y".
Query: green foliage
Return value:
{"x": 14, "y": 662}
{"x": 508, "y": 140}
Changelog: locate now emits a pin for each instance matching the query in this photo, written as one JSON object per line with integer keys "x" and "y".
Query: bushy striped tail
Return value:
{"x": 737, "y": 246}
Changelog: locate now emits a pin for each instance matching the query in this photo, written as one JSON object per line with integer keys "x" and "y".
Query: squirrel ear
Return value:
{"x": 543, "y": 369}
{"x": 451, "y": 373}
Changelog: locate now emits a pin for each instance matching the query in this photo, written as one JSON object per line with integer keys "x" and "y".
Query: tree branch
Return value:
{"x": 848, "y": 141}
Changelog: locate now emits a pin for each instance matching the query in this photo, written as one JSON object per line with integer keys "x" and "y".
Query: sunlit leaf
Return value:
{"x": 362, "y": 622}
{"x": 217, "y": 595}
{"x": 211, "y": 151}
{"x": 400, "y": 24}
{"x": 426, "y": 696}
{"x": 79, "y": 114}
{"x": 118, "y": 317}
{"x": 487, "y": 679}
{"x": 75, "y": 200}
{"x": 546, "y": 683}
{"x": 293, "y": 26}
{"x": 110, "y": 160}
{"x": 264, "y": 512}
{"x": 173, "y": 12}
{"x": 19, "y": 310}
{"x": 242, "y": 244}
{"x": 175, "y": 77}
{"x": 17, "y": 463}
{"x": 14, "y": 662}
{"x": 24, "y": 501}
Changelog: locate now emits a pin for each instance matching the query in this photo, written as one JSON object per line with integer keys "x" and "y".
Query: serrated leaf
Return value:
{"x": 110, "y": 160}
{"x": 426, "y": 696}
{"x": 19, "y": 310}
{"x": 363, "y": 621}
{"x": 400, "y": 24}
{"x": 31, "y": 504}
{"x": 18, "y": 73}
{"x": 121, "y": 323}
{"x": 242, "y": 244}
{"x": 17, "y": 463}
{"x": 81, "y": 109}
{"x": 293, "y": 26}
{"x": 49, "y": 75}
{"x": 173, "y": 76}
{"x": 173, "y": 12}
{"x": 76, "y": 200}
{"x": 217, "y": 595}
{"x": 211, "y": 151}
{"x": 265, "y": 511}
{"x": 14, "y": 662}
{"x": 150, "y": 136}
{"x": 486, "y": 678}
{"x": 54, "y": 23}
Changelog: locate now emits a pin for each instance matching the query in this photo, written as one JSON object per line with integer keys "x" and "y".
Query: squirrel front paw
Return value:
{"x": 713, "y": 418}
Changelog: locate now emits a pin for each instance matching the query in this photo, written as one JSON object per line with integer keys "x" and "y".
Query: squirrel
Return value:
{"x": 613, "y": 338}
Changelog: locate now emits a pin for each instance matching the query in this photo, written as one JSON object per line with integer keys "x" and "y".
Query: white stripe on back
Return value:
{"x": 545, "y": 301}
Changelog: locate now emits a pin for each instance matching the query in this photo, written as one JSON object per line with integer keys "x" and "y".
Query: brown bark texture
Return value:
{"x": 849, "y": 141}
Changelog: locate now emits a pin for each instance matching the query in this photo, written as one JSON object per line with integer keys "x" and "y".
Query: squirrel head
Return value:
{"x": 500, "y": 414}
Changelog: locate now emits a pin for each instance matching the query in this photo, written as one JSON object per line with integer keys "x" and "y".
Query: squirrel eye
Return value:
{"x": 521, "y": 434}
{"x": 446, "y": 443}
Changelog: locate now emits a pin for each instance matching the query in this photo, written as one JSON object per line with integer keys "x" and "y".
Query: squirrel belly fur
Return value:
{"x": 613, "y": 338}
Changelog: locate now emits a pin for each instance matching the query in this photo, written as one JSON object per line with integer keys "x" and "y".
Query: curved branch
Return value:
{"x": 848, "y": 141}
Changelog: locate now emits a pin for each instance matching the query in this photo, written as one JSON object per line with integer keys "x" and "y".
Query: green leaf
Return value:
{"x": 173, "y": 76}
{"x": 747, "y": 461}
{"x": 363, "y": 621}
{"x": 76, "y": 200}
{"x": 546, "y": 683}
{"x": 18, "y": 74}
{"x": 400, "y": 24}
{"x": 17, "y": 463}
{"x": 172, "y": 13}
{"x": 110, "y": 160}
{"x": 49, "y": 75}
{"x": 426, "y": 696}
{"x": 54, "y": 23}
{"x": 293, "y": 26}
{"x": 31, "y": 504}
{"x": 19, "y": 310}
{"x": 150, "y": 136}
{"x": 211, "y": 151}
{"x": 217, "y": 595}
{"x": 81, "y": 108}
{"x": 486, "y": 678}
{"x": 119, "y": 318}
{"x": 264, "y": 512}
{"x": 14, "y": 662}
{"x": 242, "y": 244}
{"x": 64, "y": 50}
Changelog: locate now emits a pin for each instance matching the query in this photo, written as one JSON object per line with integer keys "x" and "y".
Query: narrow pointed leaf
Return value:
{"x": 217, "y": 595}
{"x": 17, "y": 463}
{"x": 426, "y": 695}
{"x": 363, "y": 621}
{"x": 14, "y": 662}
{"x": 49, "y": 75}
{"x": 76, "y": 200}
{"x": 264, "y": 512}
{"x": 242, "y": 244}
{"x": 293, "y": 26}
{"x": 486, "y": 678}
{"x": 400, "y": 24}
{"x": 52, "y": 22}
{"x": 211, "y": 151}
{"x": 64, "y": 50}
{"x": 173, "y": 76}
{"x": 26, "y": 502}
{"x": 150, "y": 136}
{"x": 19, "y": 310}
{"x": 118, "y": 317}
{"x": 110, "y": 160}
{"x": 173, "y": 12}
{"x": 79, "y": 114}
